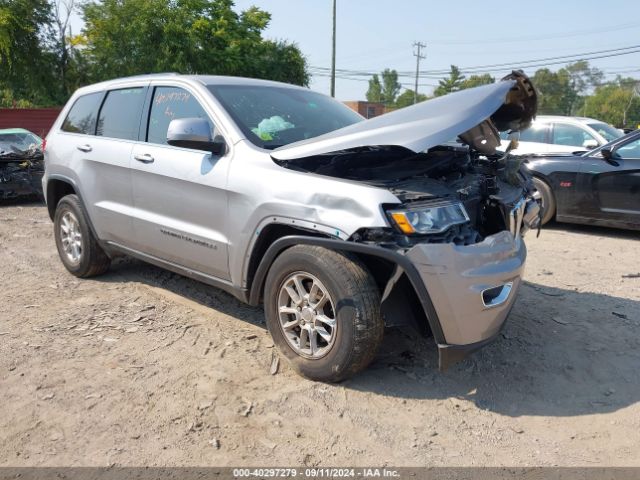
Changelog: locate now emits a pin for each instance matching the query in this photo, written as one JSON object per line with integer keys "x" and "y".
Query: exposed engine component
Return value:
{"x": 489, "y": 186}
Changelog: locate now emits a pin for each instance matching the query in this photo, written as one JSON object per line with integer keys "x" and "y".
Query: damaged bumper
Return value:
{"x": 21, "y": 178}
{"x": 472, "y": 288}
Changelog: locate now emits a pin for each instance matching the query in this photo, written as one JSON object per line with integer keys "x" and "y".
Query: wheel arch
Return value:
{"x": 58, "y": 187}
{"x": 394, "y": 273}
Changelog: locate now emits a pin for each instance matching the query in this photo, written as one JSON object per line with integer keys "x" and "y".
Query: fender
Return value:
{"x": 74, "y": 185}
{"x": 397, "y": 259}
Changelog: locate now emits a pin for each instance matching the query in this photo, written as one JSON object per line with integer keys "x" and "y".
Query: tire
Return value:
{"x": 85, "y": 258}
{"x": 353, "y": 303}
{"x": 548, "y": 200}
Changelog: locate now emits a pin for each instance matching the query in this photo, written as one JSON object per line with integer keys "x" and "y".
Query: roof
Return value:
{"x": 550, "y": 118}
{"x": 202, "y": 79}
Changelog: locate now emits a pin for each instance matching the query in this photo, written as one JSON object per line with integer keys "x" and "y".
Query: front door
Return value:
{"x": 179, "y": 194}
{"x": 613, "y": 190}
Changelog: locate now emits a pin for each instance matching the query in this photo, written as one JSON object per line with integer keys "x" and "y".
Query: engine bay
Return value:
{"x": 489, "y": 186}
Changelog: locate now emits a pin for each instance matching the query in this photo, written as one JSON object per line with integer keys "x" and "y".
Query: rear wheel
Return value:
{"x": 77, "y": 247}
{"x": 548, "y": 200}
{"x": 323, "y": 311}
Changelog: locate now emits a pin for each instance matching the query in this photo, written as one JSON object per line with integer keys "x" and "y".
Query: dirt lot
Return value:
{"x": 143, "y": 367}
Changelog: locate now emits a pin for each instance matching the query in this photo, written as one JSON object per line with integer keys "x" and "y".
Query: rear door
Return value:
{"x": 179, "y": 193}
{"x": 102, "y": 128}
{"x": 613, "y": 191}
{"x": 534, "y": 139}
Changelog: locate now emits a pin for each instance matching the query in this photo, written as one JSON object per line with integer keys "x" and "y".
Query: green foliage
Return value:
{"x": 617, "y": 103}
{"x": 385, "y": 91}
{"x": 374, "y": 93}
{"x": 7, "y": 100}
{"x": 129, "y": 37}
{"x": 555, "y": 95}
{"x": 41, "y": 64}
{"x": 390, "y": 86}
{"x": 406, "y": 98}
{"x": 476, "y": 81}
{"x": 452, "y": 83}
{"x": 24, "y": 54}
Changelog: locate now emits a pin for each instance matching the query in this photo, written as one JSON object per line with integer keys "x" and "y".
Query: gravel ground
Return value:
{"x": 144, "y": 367}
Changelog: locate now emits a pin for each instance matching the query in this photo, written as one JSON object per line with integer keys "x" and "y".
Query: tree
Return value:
{"x": 476, "y": 81}
{"x": 555, "y": 94}
{"x": 62, "y": 46}
{"x": 452, "y": 83}
{"x": 617, "y": 103}
{"x": 374, "y": 93}
{"x": 385, "y": 91}
{"x": 25, "y": 73}
{"x": 129, "y": 37}
{"x": 405, "y": 99}
{"x": 390, "y": 86}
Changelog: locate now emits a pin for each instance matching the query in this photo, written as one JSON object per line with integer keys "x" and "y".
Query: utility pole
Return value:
{"x": 419, "y": 46}
{"x": 333, "y": 53}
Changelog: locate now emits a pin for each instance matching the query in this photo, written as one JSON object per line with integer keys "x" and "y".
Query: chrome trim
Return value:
{"x": 515, "y": 217}
{"x": 500, "y": 298}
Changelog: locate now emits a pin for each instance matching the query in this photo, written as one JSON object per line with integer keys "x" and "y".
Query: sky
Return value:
{"x": 373, "y": 35}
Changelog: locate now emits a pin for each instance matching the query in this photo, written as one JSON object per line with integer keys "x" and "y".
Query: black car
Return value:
{"x": 598, "y": 187}
{"x": 21, "y": 164}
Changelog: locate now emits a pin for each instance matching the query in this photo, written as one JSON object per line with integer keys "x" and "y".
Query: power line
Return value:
{"x": 615, "y": 52}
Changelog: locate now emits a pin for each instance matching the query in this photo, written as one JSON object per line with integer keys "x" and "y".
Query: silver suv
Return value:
{"x": 279, "y": 195}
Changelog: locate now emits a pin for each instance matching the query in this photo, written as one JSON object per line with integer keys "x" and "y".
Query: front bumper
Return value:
{"x": 472, "y": 288}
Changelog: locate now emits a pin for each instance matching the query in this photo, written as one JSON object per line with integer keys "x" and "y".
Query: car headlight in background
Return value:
{"x": 428, "y": 218}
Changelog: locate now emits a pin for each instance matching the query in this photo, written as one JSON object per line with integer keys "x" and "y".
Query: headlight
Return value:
{"x": 428, "y": 218}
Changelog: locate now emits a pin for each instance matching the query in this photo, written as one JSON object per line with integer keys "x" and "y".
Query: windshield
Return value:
{"x": 9, "y": 142}
{"x": 607, "y": 131}
{"x": 271, "y": 117}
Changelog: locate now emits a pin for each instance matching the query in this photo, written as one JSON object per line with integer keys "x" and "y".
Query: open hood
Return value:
{"x": 475, "y": 115}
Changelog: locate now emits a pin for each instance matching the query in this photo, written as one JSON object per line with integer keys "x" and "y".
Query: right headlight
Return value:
{"x": 428, "y": 218}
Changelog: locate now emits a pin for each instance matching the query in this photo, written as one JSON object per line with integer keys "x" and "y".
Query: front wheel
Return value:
{"x": 548, "y": 200}
{"x": 323, "y": 311}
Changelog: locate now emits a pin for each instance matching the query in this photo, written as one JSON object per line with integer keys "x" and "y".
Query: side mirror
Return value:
{"x": 194, "y": 133}
{"x": 607, "y": 154}
{"x": 590, "y": 144}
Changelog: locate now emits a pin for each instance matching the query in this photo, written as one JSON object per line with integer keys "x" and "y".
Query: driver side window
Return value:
{"x": 171, "y": 103}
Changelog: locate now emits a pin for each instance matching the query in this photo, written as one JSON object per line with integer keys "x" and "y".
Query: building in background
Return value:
{"x": 368, "y": 109}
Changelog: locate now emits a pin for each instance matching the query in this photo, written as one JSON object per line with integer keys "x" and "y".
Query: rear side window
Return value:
{"x": 82, "y": 116}
{"x": 171, "y": 103}
{"x": 570, "y": 135}
{"x": 120, "y": 114}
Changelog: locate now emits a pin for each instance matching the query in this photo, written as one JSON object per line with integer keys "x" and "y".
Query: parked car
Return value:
{"x": 21, "y": 163}
{"x": 599, "y": 187}
{"x": 280, "y": 195}
{"x": 557, "y": 134}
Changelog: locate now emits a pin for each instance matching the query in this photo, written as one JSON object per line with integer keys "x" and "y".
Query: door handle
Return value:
{"x": 144, "y": 158}
{"x": 84, "y": 148}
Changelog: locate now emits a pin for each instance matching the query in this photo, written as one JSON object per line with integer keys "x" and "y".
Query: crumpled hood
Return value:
{"x": 474, "y": 115}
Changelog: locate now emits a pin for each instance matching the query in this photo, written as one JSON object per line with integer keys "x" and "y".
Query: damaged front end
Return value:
{"x": 463, "y": 207}
{"x": 21, "y": 173}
